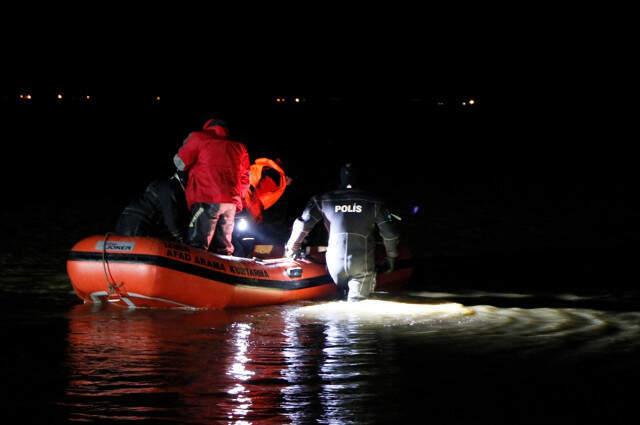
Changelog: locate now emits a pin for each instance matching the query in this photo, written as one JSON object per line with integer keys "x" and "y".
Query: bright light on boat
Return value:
{"x": 377, "y": 309}
{"x": 242, "y": 225}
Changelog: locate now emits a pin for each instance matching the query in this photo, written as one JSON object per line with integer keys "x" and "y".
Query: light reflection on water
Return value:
{"x": 440, "y": 357}
{"x": 332, "y": 362}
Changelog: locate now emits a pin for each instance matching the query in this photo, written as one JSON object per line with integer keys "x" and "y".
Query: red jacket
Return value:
{"x": 218, "y": 167}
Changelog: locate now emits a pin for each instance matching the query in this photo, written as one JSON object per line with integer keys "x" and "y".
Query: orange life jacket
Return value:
{"x": 266, "y": 192}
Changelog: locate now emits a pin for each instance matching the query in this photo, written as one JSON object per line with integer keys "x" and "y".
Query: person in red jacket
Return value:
{"x": 218, "y": 180}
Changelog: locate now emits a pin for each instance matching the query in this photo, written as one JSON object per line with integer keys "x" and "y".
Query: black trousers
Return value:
{"x": 133, "y": 225}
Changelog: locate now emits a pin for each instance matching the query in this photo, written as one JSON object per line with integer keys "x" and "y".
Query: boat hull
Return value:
{"x": 152, "y": 273}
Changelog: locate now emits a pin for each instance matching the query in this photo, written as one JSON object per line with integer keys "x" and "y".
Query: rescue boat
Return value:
{"x": 147, "y": 272}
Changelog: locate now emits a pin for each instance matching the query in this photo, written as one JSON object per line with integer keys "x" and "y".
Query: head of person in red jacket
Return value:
{"x": 218, "y": 126}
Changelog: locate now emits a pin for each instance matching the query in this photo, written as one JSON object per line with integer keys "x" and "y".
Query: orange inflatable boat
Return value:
{"x": 153, "y": 273}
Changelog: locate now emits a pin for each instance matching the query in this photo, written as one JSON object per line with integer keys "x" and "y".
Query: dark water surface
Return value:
{"x": 462, "y": 356}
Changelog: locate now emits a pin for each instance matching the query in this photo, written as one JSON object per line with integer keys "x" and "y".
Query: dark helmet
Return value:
{"x": 348, "y": 175}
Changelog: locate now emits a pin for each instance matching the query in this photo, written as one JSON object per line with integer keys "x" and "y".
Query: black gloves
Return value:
{"x": 293, "y": 253}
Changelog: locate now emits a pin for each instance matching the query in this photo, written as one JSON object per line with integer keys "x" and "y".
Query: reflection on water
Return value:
{"x": 382, "y": 312}
{"x": 370, "y": 362}
{"x": 439, "y": 357}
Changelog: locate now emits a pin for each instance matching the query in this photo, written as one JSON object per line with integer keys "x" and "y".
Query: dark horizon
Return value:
{"x": 521, "y": 171}
{"x": 419, "y": 139}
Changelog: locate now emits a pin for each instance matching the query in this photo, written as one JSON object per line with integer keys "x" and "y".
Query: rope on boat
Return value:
{"x": 112, "y": 287}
